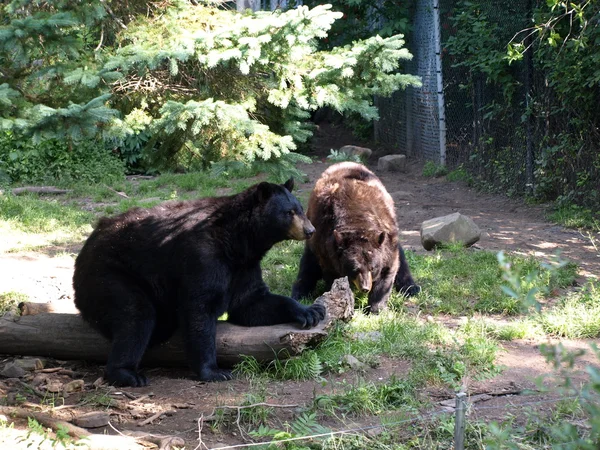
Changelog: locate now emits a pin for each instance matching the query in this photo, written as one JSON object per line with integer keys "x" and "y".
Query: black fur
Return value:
{"x": 144, "y": 273}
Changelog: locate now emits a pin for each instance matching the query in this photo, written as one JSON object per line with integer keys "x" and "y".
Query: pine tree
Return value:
{"x": 196, "y": 83}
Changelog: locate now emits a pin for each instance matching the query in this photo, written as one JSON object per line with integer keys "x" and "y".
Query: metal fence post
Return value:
{"x": 459, "y": 421}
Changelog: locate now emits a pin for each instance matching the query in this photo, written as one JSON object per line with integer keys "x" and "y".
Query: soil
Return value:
{"x": 506, "y": 224}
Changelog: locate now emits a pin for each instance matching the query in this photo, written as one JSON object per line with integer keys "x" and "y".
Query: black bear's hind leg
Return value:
{"x": 128, "y": 346}
{"x": 308, "y": 275}
{"x": 404, "y": 282}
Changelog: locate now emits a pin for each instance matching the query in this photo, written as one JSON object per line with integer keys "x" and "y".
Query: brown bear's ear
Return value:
{"x": 381, "y": 238}
{"x": 289, "y": 184}
{"x": 338, "y": 237}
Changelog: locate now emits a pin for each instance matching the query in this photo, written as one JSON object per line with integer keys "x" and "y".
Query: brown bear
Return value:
{"x": 356, "y": 235}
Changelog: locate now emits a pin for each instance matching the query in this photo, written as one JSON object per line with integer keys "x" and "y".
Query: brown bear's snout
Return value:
{"x": 364, "y": 282}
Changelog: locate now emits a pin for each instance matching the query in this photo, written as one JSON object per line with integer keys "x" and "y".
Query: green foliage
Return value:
{"x": 573, "y": 216}
{"x": 10, "y": 300}
{"x": 576, "y": 317}
{"x": 337, "y": 156}
{"x": 450, "y": 285}
{"x": 184, "y": 84}
{"x": 431, "y": 169}
{"x": 56, "y": 161}
{"x": 362, "y": 19}
{"x": 491, "y": 41}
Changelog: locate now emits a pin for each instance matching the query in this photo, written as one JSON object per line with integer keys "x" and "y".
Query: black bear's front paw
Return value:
{"x": 122, "y": 377}
{"x": 411, "y": 290}
{"x": 214, "y": 374}
{"x": 311, "y": 316}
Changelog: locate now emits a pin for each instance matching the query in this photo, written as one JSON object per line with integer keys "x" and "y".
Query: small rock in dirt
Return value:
{"x": 92, "y": 420}
{"x": 401, "y": 196}
{"x": 354, "y": 363}
{"x": 99, "y": 382}
{"x": 451, "y": 228}
{"x": 39, "y": 379}
{"x": 12, "y": 370}
{"x": 30, "y": 364}
{"x": 392, "y": 163}
{"x": 73, "y": 386}
{"x": 368, "y": 335}
{"x": 362, "y": 152}
{"x": 181, "y": 405}
{"x": 55, "y": 387}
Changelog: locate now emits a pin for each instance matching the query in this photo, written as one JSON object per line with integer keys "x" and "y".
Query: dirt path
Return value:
{"x": 506, "y": 225}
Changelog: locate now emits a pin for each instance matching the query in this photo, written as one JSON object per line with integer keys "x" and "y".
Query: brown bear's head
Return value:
{"x": 360, "y": 256}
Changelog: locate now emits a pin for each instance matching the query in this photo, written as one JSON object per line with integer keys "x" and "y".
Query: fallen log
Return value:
{"x": 40, "y": 190}
{"x": 67, "y": 336}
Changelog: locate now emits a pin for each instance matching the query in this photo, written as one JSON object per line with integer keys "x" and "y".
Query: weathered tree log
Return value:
{"x": 67, "y": 336}
{"x": 39, "y": 190}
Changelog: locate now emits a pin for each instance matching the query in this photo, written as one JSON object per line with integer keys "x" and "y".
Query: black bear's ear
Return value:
{"x": 289, "y": 184}
{"x": 264, "y": 191}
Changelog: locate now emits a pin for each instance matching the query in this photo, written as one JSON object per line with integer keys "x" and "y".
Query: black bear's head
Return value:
{"x": 283, "y": 213}
{"x": 360, "y": 255}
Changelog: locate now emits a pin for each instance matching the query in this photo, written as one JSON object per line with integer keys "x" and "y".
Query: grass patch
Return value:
{"x": 9, "y": 301}
{"x": 576, "y": 317}
{"x": 34, "y": 215}
{"x": 464, "y": 281}
{"x": 574, "y": 216}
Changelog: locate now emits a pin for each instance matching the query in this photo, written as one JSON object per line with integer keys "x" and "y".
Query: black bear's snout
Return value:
{"x": 309, "y": 230}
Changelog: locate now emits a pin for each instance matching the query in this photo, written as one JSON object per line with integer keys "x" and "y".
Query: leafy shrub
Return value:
{"x": 23, "y": 161}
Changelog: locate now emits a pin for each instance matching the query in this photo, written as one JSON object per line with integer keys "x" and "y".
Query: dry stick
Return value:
{"x": 152, "y": 418}
{"x": 46, "y": 420}
{"x": 200, "y": 426}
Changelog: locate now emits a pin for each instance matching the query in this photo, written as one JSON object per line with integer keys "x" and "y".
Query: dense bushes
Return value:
{"x": 533, "y": 85}
{"x": 22, "y": 161}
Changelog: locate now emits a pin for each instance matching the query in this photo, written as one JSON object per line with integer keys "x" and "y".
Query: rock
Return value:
{"x": 12, "y": 370}
{"x": 363, "y": 153}
{"x": 373, "y": 336}
{"x": 92, "y": 420}
{"x": 401, "y": 196}
{"x": 392, "y": 163}
{"x": 354, "y": 363}
{"x": 55, "y": 387}
{"x": 30, "y": 364}
{"x": 452, "y": 228}
{"x": 73, "y": 386}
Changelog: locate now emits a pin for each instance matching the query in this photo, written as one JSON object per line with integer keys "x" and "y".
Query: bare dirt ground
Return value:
{"x": 506, "y": 224}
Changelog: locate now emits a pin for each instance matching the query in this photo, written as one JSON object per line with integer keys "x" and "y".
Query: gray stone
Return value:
{"x": 92, "y": 420}
{"x": 12, "y": 370}
{"x": 73, "y": 386}
{"x": 447, "y": 229}
{"x": 363, "y": 152}
{"x": 392, "y": 163}
{"x": 354, "y": 363}
{"x": 30, "y": 364}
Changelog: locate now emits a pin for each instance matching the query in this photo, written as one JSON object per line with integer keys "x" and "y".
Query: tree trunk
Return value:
{"x": 67, "y": 336}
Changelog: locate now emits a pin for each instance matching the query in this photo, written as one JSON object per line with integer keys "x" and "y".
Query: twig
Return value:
{"x": 200, "y": 426}
{"x": 153, "y": 417}
{"x": 121, "y": 194}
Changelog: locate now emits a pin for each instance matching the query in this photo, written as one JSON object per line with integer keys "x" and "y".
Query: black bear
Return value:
{"x": 356, "y": 236}
{"x": 142, "y": 274}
